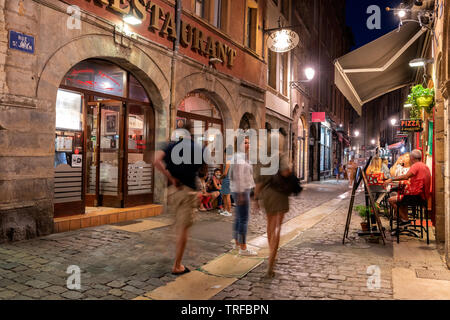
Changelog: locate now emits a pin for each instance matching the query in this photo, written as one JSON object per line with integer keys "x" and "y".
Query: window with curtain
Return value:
{"x": 217, "y": 19}
{"x": 283, "y": 74}
{"x": 272, "y": 69}
{"x": 200, "y": 8}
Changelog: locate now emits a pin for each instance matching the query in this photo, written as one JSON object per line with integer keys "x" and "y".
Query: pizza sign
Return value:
{"x": 409, "y": 125}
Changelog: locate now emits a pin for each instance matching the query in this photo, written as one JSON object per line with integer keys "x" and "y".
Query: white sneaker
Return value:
{"x": 226, "y": 213}
{"x": 247, "y": 252}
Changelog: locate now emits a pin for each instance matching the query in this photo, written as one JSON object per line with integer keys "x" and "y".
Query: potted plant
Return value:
{"x": 363, "y": 211}
{"x": 420, "y": 98}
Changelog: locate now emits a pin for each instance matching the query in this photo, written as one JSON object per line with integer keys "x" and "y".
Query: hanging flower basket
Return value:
{"x": 420, "y": 98}
{"x": 425, "y": 101}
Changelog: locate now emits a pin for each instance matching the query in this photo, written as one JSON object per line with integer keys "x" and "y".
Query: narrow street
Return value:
{"x": 120, "y": 264}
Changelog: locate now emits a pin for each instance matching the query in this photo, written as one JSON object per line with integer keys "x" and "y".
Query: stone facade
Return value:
{"x": 441, "y": 79}
{"x": 28, "y": 88}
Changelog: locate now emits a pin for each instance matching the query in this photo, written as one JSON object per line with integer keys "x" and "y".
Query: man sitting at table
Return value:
{"x": 419, "y": 188}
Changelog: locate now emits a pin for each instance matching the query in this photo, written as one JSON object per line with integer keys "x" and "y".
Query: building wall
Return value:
{"x": 441, "y": 78}
{"x": 29, "y": 83}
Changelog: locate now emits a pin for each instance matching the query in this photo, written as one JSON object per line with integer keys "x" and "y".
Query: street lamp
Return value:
{"x": 309, "y": 73}
{"x": 372, "y": 141}
{"x": 420, "y": 62}
{"x": 393, "y": 121}
{"x": 356, "y": 133}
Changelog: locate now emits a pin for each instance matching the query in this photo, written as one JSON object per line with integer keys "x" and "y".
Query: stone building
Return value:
{"x": 86, "y": 98}
{"x": 440, "y": 72}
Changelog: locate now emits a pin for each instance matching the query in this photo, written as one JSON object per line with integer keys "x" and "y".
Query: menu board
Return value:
{"x": 68, "y": 110}
{"x": 63, "y": 144}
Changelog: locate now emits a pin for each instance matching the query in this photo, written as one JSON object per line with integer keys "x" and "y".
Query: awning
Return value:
{"x": 396, "y": 145}
{"x": 380, "y": 66}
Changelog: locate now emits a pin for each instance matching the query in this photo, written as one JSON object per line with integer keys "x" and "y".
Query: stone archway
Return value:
{"x": 248, "y": 121}
{"x": 214, "y": 89}
{"x": 134, "y": 60}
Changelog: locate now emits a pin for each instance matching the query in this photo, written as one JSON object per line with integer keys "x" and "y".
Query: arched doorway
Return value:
{"x": 247, "y": 122}
{"x": 104, "y": 139}
{"x": 300, "y": 149}
{"x": 204, "y": 115}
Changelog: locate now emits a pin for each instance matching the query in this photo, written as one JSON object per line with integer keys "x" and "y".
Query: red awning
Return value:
{"x": 396, "y": 145}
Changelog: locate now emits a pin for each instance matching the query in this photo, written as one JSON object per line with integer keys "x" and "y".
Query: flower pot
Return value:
{"x": 425, "y": 101}
{"x": 364, "y": 226}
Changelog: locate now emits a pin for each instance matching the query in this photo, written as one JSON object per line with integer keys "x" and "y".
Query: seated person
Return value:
{"x": 205, "y": 197}
{"x": 401, "y": 166}
{"x": 214, "y": 186}
{"x": 419, "y": 177}
{"x": 385, "y": 168}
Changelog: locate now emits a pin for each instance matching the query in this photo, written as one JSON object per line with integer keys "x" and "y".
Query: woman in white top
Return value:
{"x": 241, "y": 183}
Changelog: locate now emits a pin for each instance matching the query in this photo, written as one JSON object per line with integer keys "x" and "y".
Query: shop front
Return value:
{"x": 325, "y": 150}
{"x": 104, "y": 139}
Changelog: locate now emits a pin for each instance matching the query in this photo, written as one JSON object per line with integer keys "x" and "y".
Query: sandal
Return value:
{"x": 186, "y": 270}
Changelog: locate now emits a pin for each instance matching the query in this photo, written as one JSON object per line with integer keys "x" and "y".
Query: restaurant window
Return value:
{"x": 251, "y": 24}
{"x": 272, "y": 68}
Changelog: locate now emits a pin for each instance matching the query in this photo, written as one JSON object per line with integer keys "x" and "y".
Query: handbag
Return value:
{"x": 289, "y": 185}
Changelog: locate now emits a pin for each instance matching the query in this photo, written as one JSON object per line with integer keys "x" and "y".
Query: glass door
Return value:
{"x": 139, "y": 155}
{"x": 92, "y": 178}
{"x": 110, "y": 153}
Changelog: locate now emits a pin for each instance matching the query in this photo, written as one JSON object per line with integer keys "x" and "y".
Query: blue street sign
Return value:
{"x": 21, "y": 42}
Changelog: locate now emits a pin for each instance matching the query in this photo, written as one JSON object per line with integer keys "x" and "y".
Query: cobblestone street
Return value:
{"x": 118, "y": 264}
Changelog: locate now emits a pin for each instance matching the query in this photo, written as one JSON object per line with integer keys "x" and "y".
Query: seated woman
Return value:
{"x": 205, "y": 197}
{"x": 401, "y": 166}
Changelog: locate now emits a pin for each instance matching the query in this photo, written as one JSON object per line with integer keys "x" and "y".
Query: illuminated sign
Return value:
{"x": 318, "y": 117}
{"x": 282, "y": 40}
{"x": 191, "y": 37}
{"x": 409, "y": 125}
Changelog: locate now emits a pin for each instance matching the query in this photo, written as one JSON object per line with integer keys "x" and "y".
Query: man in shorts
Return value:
{"x": 419, "y": 189}
{"x": 182, "y": 193}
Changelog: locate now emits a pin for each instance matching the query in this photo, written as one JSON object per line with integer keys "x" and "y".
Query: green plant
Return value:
{"x": 419, "y": 92}
{"x": 362, "y": 210}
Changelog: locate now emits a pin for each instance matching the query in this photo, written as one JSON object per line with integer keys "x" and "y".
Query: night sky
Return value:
{"x": 356, "y": 16}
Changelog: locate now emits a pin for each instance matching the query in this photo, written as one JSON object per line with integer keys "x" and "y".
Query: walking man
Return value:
{"x": 182, "y": 195}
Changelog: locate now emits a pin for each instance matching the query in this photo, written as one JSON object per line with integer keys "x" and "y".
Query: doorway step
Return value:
{"x": 97, "y": 216}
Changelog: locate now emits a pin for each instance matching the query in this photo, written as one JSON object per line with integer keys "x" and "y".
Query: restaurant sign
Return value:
{"x": 409, "y": 125}
{"x": 318, "y": 117}
{"x": 163, "y": 22}
{"x": 282, "y": 40}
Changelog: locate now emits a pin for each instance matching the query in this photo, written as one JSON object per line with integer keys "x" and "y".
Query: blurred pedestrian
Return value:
{"x": 182, "y": 195}
{"x": 274, "y": 201}
{"x": 241, "y": 184}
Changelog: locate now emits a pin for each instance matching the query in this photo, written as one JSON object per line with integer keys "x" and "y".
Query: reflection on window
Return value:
{"x": 137, "y": 92}
{"x": 200, "y": 8}
{"x": 97, "y": 75}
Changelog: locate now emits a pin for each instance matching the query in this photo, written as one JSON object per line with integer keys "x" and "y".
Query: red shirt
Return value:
{"x": 420, "y": 182}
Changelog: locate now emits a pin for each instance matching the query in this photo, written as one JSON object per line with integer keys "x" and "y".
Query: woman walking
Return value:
{"x": 275, "y": 202}
{"x": 241, "y": 183}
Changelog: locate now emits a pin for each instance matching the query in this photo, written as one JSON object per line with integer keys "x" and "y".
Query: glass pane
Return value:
{"x": 140, "y": 169}
{"x": 199, "y": 130}
{"x": 198, "y": 103}
{"x": 97, "y": 75}
{"x": 68, "y": 110}
{"x": 91, "y": 143}
{"x": 109, "y": 149}
{"x": 137, "y": 92}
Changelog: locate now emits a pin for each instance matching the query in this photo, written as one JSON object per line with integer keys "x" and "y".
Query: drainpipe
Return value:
{"x": 176, "y": 45}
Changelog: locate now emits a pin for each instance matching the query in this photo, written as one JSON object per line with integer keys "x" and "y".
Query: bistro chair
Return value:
{"x": 414, "y": 207}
